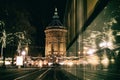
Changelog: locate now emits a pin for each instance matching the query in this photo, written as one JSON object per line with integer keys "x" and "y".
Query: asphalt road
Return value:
{"x": 57, "y": 74}
{"x": 11, "y": 74}
{"x": 54, "y": 73}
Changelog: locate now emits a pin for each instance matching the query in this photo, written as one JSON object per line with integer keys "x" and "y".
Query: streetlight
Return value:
{"x": 26, "y": 49}
{"x": 23, "y": 54}
{"x": 91, "y": 51}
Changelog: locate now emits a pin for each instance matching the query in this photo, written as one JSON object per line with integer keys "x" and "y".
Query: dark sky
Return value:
{"x": 40, "y": 13}
{"x": 41, "y": 10}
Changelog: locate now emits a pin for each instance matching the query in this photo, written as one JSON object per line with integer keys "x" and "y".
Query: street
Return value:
{"x": 55, "y": 73}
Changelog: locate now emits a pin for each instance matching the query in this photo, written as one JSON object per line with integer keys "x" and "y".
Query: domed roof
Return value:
{"x": 55, "y": 23}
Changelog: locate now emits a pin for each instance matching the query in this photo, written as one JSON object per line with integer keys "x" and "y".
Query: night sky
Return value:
{"x": 39, "y": 14}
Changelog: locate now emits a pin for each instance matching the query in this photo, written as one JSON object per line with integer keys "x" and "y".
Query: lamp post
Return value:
{"x": 23, "y": 54}
{"x": 26, "y": 50}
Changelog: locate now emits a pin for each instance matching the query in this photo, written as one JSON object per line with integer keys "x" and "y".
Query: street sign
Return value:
{"x": 19, "y": 60}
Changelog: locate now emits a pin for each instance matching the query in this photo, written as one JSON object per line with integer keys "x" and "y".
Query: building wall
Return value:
{"x": 55, "y": 42}
{"x": 77, "y": 12}
{"x": 98, "y": 42}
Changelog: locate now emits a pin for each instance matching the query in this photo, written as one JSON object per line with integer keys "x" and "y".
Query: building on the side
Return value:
{"x": 55, "y": 41}
{"x": 87, "y": 31}
{"x": 79, "y": 14}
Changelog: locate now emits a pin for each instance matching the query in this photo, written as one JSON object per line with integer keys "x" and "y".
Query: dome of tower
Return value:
{"x": 55, "y": 23}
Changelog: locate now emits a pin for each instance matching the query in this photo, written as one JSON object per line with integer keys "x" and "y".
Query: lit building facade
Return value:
{"x": 79, "y": 15}
{"x": 77, "y": 12}
{"x": 93, "y": 34}
{"x": 55, "y": 33}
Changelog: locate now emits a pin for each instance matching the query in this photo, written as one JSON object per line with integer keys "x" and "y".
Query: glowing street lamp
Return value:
{"x": 23, "y": 53}
{"x": 79, "y": 53}
{"x": 91, "y": 51}
{"x": 26, "y": 50}
{"x": 103, "y": 44}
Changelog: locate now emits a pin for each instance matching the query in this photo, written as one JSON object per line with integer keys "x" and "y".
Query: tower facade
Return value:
{"x": 55, "y": 41}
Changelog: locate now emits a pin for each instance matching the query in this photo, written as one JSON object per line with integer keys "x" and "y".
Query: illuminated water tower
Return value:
{"x": 55, "y": 33}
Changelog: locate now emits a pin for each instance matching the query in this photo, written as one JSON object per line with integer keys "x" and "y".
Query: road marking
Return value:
{"x": 25, "y": 75}
{"x": 42, "y": 74}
